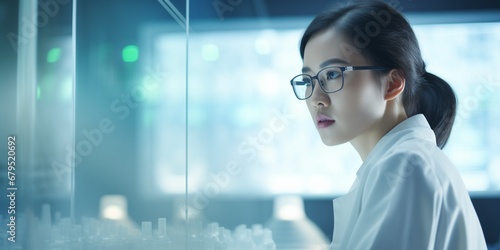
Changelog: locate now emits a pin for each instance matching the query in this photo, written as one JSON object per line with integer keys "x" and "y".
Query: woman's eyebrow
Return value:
{"x": 326, "y": 63}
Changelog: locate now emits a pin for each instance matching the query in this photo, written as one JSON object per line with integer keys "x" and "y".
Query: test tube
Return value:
{"x": 146, "y": 241}
{"x": 163, "y": 241}
{"x": 147, "y": 230}
{"x": 162, "y": 227}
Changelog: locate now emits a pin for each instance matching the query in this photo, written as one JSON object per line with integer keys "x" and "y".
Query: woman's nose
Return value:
{"x": 319, "y": 97}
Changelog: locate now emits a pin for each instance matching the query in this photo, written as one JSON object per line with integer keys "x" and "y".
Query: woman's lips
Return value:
{"x": 323, "y": 121}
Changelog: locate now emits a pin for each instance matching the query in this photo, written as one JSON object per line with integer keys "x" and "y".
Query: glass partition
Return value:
{"x": 128, "y": 99}
{"x": 81, "y": 85}
{"x": 37, "y": 68}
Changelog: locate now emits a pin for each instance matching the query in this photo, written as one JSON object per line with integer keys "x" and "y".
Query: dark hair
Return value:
{"x": 381, "y": 34}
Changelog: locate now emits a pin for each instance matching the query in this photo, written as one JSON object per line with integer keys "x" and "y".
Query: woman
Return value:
{"x": 364, "y": 82}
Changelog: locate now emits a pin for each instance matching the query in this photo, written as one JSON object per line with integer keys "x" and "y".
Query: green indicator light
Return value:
{"x": 54, "y": 55}
{"x": 130, "y": 53}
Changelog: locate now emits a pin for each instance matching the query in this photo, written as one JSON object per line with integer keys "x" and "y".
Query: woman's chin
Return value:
{"x": 332, "y": 141}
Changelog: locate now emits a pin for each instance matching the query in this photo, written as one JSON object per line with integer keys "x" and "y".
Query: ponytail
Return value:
{"x": 437, "y": 102}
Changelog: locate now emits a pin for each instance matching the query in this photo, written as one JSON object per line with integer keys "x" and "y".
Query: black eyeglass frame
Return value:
{"x": 342, "y": 70}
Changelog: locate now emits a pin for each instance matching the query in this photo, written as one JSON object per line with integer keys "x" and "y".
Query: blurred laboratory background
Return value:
{"x": 135, "y": 110}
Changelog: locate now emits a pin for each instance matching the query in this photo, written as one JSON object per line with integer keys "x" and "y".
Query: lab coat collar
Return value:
{"x": 413, "y": 127}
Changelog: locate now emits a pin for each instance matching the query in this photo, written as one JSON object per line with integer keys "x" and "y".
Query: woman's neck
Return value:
{"x": 365, "y": 142}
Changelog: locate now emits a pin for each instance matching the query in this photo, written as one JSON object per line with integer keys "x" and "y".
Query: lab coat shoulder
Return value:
{"x": 404, "y": 199}
{"x": 400, "y": 197}
{"x": 405, "y": 163}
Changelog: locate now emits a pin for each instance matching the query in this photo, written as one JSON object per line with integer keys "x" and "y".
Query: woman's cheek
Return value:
{"x": 360, "y": 108}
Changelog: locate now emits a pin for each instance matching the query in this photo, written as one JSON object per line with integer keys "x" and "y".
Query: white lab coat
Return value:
{"x": 407, "y": 195}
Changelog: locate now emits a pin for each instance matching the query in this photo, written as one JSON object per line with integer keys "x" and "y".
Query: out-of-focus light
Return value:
{"x": 210, "y": 52}
{"x": 113, "y": 212}
{"x": 67, "y": 89}
{"x": 38, "y": 92}
{"x": 289, "y": 212}
{"x": 171, "y": 183}
{"x": 130, "y": 53}
{"x": 113, "y": 207}
{"x": 289, "y": 208}
{"x": 262, "y": 46}
{"x": 53, "y": 55}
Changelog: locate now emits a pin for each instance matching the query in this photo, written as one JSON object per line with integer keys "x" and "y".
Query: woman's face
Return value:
{"x": 354, "y": 111}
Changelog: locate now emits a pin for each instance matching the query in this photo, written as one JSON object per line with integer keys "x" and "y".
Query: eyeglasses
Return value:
{"x": 331, "y": 80}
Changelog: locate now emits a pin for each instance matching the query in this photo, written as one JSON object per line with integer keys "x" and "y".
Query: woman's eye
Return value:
{"x": 332, "y": 75}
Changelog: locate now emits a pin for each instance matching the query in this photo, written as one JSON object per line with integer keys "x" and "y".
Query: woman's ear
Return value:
{"x": 395, "y": 84}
